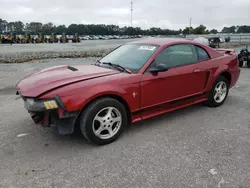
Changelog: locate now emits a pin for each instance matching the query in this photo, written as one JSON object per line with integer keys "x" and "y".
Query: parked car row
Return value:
{"x": 108, "y": 37}
{"x": 10, "y": 39}
{"x": 59, "y": 38}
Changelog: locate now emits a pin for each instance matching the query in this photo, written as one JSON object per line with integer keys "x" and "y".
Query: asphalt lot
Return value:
{"x": 193, "y": 147}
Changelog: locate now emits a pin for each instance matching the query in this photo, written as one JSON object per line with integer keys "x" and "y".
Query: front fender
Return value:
{"x": 84, "y": 95}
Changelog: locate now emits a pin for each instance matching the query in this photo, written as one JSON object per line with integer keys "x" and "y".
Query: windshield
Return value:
{"x": 131, "y": 56}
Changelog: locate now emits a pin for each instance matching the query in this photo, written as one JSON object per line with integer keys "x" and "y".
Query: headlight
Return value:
{"x": 30, "y": 102}
{"x": 40, "y": 105}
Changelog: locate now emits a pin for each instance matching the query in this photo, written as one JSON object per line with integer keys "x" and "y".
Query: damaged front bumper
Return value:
{"x": 51, "y": 111}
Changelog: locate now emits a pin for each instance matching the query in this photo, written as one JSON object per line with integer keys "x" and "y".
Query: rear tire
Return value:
{"x": 103, "y": 121}
{"x": 218, "y": 93}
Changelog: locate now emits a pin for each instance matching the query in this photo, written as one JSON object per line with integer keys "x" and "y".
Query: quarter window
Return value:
{"x": 202, "y": 54}
{"x": 177, "y": 55}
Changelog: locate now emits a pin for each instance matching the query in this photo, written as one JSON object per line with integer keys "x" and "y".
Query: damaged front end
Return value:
{"x": 51, "y": 111}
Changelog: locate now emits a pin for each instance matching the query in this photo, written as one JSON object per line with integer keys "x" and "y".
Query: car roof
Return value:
{"x": 162, "y": 41}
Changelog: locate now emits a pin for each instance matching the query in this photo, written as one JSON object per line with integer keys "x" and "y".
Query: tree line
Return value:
{"x": 32, "y": 28}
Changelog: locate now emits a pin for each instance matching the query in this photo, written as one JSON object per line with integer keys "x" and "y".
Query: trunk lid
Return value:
{"x": 226, "y": 51}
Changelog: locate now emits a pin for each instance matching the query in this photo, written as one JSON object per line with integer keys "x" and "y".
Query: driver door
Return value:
{"x": 181, "y": 80}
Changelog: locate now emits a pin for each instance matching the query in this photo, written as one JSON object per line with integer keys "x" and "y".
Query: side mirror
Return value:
{"x": 158, "y": 68}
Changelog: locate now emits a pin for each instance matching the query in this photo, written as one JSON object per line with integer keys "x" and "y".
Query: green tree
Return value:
{"x": 3, "y": 25}
{"x": 200, "y": 30}
{"x": 231, "y": 29}
{"x": 18, "y": 27}
{"x": 34, "y": 27}
{"x": 60, "y": 29}
{"x": 48, "y": 28}
{"x": 187, "y": 30}
{"x": 243, "y": 29}
{"x": 214, "y": 31}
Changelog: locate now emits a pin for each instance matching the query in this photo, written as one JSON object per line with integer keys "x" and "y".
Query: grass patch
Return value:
{"x": 76, "y": 55}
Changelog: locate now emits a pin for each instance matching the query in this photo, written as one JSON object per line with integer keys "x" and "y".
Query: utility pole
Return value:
{"x": 190, "y": 23}
{"x": 131, "y": 9}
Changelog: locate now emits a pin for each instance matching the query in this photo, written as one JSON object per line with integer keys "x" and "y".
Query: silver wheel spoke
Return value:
{"x": 117, "y": 119}
{"x": 109, "y": 113}
{"x": 99, "y": 130}
{"x": 109, "y": 129}
{"x": 98, "y": 118}
{"x": 220, "y": 86}
{"x": 216, "y": 95}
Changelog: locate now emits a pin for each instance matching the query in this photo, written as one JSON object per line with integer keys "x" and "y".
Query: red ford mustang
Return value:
{"x": 136, "y": 81}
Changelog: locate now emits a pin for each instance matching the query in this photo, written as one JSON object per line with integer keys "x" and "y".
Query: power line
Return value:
{"x": 131, "y": 9}
{"x": 190, "y": 23}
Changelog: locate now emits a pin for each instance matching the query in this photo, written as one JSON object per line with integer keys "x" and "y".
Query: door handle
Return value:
{"x": 197, "y": 70}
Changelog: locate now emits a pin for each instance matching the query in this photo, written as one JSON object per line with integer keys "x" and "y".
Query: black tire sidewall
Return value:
{"x": 211, "y": 101}
{"x": 91, "y": 111}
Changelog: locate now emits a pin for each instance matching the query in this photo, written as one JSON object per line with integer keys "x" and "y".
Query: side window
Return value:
{"x": 177, "y": 55}
{"x": 202, "y": 54}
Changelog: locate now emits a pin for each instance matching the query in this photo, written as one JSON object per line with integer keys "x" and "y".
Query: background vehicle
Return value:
{"x": 244, "y": 55}
{"x": 6, "y": 39}
{"x": 76, "y": 39}
{"x": 214, "y": 42}
{"x": 136, "y": 81}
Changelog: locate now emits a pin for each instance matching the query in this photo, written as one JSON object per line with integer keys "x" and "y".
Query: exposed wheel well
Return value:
{"x": 120, "y": 99}
{"x": 227, "y": 75}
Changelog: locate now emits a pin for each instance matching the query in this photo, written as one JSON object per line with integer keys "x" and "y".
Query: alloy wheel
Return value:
{"x": 220, "y": 91}
{"x": 107, "y": 122}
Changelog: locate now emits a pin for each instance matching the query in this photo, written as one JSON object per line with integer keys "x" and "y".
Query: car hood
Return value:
{"x": 57, "y": 76}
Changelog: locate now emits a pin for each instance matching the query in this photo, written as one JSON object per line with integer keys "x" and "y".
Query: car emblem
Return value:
{"x": 134, "y": 94}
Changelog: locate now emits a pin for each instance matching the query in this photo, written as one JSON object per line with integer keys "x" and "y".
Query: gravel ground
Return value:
{"x": 193, "y": 147}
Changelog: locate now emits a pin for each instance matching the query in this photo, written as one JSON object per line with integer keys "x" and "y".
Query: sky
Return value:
{"x": 168, "y": 14}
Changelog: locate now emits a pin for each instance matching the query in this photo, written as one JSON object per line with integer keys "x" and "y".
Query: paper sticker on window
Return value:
{"x": 147, "y": 48}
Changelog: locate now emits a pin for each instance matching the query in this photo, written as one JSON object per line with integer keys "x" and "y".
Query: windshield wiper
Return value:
{"x": 119, "y": 67}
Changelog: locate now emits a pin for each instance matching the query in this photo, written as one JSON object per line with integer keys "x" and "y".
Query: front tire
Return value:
{"x": 219, "y": 92}
{"x": 103, "y": 121}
